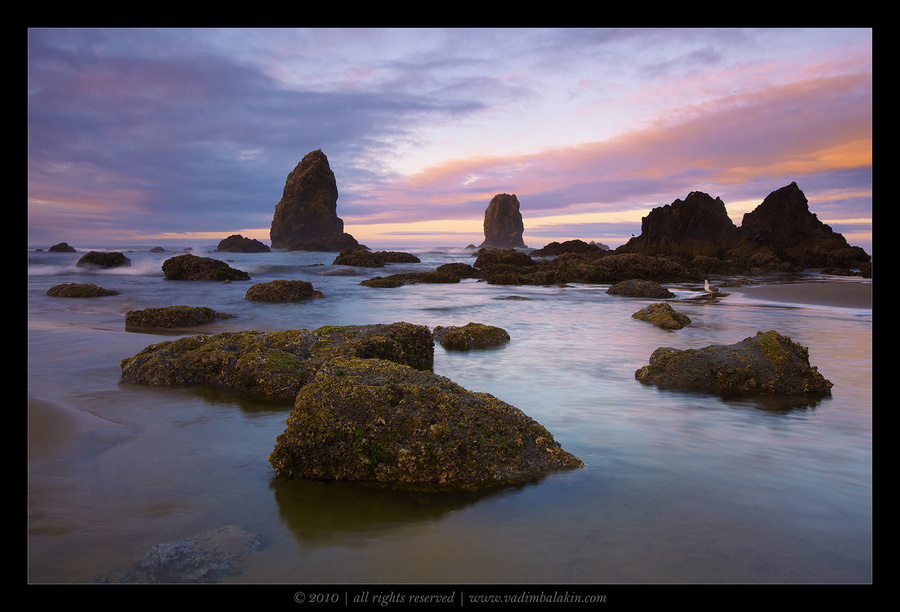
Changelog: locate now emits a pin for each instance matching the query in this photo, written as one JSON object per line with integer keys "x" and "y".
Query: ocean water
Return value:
{"x": 677, "y": 487}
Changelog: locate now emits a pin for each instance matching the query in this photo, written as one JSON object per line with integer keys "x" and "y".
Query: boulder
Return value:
{"x": 640, "y": 289}
{"x": 662, "y": 315}
{"x": 410, "y": 278}
{"x": 767, "y": 363}
{"x": 173, "y": 316}
{"x": 194, "y": 267}
{"x": 282, "y": 291}
{"x": 273, "y": 364}
{"x": 330, "y": 244}
{"x": 503, "y": 225}
{"x": 61, "y": 247}
{"x": 103, "y": 259}
{"x": 364, "y": 258}
{"x": 79, "y": 290}
{"x": 307, "y": 210}
{"x": 470, "y": 336}
{"x": 569, "y": 246}
{"x": 377, "y": 422}
{"x": 239, "y": 244}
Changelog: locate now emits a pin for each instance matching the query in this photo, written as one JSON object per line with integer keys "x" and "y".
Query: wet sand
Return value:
{"x": 848, "y": 294}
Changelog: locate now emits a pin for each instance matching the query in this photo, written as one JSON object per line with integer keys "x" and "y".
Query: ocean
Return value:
{"x": 676, "y": 488}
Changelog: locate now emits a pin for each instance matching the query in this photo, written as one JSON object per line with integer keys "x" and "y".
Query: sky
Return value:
{"x": 176, "y": 137}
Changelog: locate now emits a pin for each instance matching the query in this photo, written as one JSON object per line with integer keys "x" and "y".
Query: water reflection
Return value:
{"x": 327, "y": 513}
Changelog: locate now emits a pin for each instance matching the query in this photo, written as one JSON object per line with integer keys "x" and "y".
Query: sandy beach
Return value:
{"x": 849, "y": 294}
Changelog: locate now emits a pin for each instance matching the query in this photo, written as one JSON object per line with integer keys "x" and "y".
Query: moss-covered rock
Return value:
{"x": 767, "y": 363}
{"x": 273, "y": 364}
{"x": 470, "y": 336}
{"x": 364, "y": 258}
{"x": 79, "y": 290}
{"x": 282, "y": 291}
{"x": 194, "y": 267}
{"x": 378, "y": 422}
{"x": 173, "y": 316}
{"x": 640, "y": 288}
{"x": 663, "y": 315}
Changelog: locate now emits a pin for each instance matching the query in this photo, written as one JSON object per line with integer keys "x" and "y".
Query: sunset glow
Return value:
{"x": 168, "y": 135}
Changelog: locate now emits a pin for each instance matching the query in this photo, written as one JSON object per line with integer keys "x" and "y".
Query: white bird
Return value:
{"x": 709, "y": 289}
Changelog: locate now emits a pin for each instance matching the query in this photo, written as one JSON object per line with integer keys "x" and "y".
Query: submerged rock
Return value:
{"x": 273, "y": 364}
{"x": 377, "y": 422}
{"x": 470, "y": 336}
{"x": 364, "y": 258}
{"x": 663, "y": 315}
{"x": 173, "y": 316}
{"x": 203, "y": 559}
{"x": 79, "y": 290}
{"x": 282, "y": 291}
{"x": 410, "y": 278}
{"x": 194, "y": 267}
{"x": 767, "y": 363}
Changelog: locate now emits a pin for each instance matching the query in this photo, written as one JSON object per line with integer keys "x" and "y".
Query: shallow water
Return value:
{"x": 677, "y": 487}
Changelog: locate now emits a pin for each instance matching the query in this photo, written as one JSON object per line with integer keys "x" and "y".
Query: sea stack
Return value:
{"x": 307, "y": 211}
{"x": 503, "y": 225}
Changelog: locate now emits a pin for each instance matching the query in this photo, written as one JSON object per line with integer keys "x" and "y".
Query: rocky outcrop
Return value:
{"x": 569, "y": 246}
{"x": 410, "y": 278}
{"x": 194, "y": 267}
{"x": 781, "y": 234}
{"x": 381, "y": 423}
{"x": 330, "y": 244}
{"x": 767, "y": 363}
{"x": 470, "y": 336}
{"x": 364, "y": 258}
{"x": 307, "y": 211}
{"x": 104, "y": 259}
{"x": 662, "y": 315}
{"x": 273, "y": 364}
{"x": 173, "y": 316}
{"x": 640, "y": 289}
{"x": 282, "y": 291}
{"x": 239, "y": 244}
{"x": 697, "y": 225}
{"x": 503, "y": 226}
{"x": 79, "y": 290}
{"x": 784, "y": 229}
{"x": 61, "y": 247}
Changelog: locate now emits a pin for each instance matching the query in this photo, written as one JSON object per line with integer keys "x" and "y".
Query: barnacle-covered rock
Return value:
{"x": 273, "y": 364}
{"x": 662, "y": 315}
{"x": 379, "y": 422}
{"x": 470, "y": 336}
{"x": 767, "y": 363}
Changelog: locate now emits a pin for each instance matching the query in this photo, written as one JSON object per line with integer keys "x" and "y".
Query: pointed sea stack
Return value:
{"x": 307, "y": 211}
{"x": 697, "y": 225}
{"x": 503, "y": 225}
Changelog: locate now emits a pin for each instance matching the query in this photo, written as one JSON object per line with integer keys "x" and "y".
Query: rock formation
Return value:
{"x": 79, "y": 290}
{"x": 102, "y": 259}
{"x": 307, "y": 211}
{"x": 767, "y": 363}
{"x": 381, "y": 423}
{"x": 470, "y": 336}
{"x": 239, "y": 244}
{"x": 662, "y": 315}
{"x": 173, "y": 316}
{"x": 698, "y": 225}
{"x": 194, "y": 267}
{"x": 282, "y": 291}
{"x": 781, "y": 234}
{"x": 503, "y": 225}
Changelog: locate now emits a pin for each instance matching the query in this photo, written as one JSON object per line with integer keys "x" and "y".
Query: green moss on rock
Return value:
{"x": 379, "y": 422}
{"x": 767, "y": 363}
{"x": 80, "y": 290}
{"x": 173, "y": 316}
{"x": 663, "y": 315}
{"x": 470, "y": 336}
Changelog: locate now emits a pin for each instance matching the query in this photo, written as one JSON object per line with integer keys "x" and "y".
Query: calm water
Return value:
{"x": 677, "y": 487}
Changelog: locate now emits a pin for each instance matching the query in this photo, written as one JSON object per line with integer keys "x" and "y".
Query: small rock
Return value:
{"x": 470, "y": 336}
{"x": 282, "y": 291}
{"x": 662, "y": 315}
{"x": 79, "y": 290}
{"x": 173, "y": 316}
{"x": 640, "y": 288}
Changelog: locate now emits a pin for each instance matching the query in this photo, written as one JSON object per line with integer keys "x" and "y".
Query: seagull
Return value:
{"x": 708, "y": 289}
